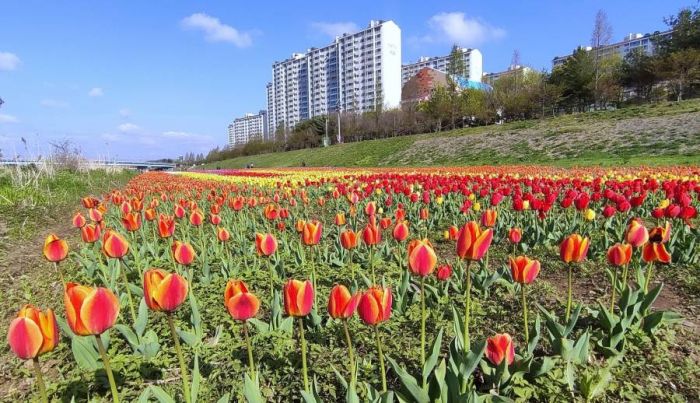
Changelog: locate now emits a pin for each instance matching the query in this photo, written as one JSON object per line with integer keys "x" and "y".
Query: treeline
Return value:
{"x": 588, "y": 80}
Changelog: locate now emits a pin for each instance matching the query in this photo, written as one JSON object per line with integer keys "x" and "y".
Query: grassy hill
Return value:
{"x": 665, "y": 133}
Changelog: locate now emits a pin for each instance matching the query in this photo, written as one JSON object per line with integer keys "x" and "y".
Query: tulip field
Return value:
{"x": 508, "y": 283}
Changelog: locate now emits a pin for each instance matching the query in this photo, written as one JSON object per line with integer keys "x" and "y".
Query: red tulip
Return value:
{"x": 375, "y": 306}
{"x": 78, "y": 220}
{"x": 371, "y": 208}
{"x": 132, "y": 221}
{"x": 500, "y": 347}
{"x": 33, "y": 332}
{"x": 637, "y": 234}
{"x": 270, "y": 212}
{"x": 444, "y": 272}
{"x": 164, "y": 291}
{"x": 298, "y": 297}
{"x": 515, "y": 235}
{"x": 90, "y": 233}
{"x": 574, "y": 248}
{"x": 196, "y": 217}
{"x": 114, "y": 245}
{"x": 473, "y": 242}
{"x": 214, "y": 219}
{"x": 179, "y": 211}
{"x": 266, "y": 244}
{"x": 523, "y": 269}
{"x": 95, "y": 215}
{"x": 222, "y": 234}
{"x": 166, "y": 226}
{"x": 488, "y": 218}
{"x": 421, "y": 257}
{"x": 401, "y": 231}
{"x": 241, "y": 304}
{"x": 183, "y": 253}
{"x": 90, "y": 311}
{"x": 55, "y": 248}
{"x": 371, "y": 235}
{"x": 342, "y": 304}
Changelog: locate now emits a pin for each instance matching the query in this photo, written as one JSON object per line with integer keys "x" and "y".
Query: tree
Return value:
{"x": 457, "y": 66}
{"x": 602, "y": 33}
{"x": 682, "y": 70}
{"x": 638, "y": 71}
{"x": 685, "y": 27}
{"x": 575, "y": 77}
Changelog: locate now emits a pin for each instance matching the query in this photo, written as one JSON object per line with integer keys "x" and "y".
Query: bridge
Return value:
{"x": 139, "y": 165}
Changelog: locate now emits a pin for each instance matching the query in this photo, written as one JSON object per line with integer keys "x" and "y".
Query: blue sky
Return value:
{"x": 151, "y": 79}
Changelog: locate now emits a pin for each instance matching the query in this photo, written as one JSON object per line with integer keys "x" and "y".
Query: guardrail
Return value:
{"x": 141, "y": 165}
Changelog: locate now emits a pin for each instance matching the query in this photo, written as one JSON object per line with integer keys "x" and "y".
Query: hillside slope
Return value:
{"x": 667, "y": 133}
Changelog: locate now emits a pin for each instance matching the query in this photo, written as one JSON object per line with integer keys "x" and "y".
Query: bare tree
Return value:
{"x": 515, "y": 60}
{"x": 602, "y": 33}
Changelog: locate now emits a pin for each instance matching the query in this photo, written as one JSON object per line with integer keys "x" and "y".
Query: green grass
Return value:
{"x": 574, "y": 135}
{"x": 25, "y": 207}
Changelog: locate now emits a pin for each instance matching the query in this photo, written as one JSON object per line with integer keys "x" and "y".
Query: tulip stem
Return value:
{"x": 181, "y": 359}
{"x": 303, "y": 354}
{"x": 624, "y": 277}
{"x": 614, "y": 288}
{"x": 568, "y": 300}
{"x": 60, "y": 274}
{"x": 272, "y": 277}
{"x": 371, "y": 264}
{"x": 647, "y": 278}
{"x": 251, "y": 364}
{"x": 468, "y": 307}
{"x": 527, "y": 331}
{"x": 381, "y": 358}
{"x": 40, "y": 380}
{"x": 108, "y": 368}
{"x": 351, "y": 353}
{"x": 422, "y": 324}
{"x": 128, "y": 291}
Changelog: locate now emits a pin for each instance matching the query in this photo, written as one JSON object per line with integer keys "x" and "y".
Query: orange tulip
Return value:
{"x": 164, "y": 291}
{"x": 339, "y": 219}
{"x": 166, "y": 226}
{"x": 196, "y": 217}
{"x": 241, "y": 304}
{"x": 619, "y": 254}
{"x": 421, "y": 257}
{"x": 574, "y": 248}
{"x": 78, "y": 220}
{"x": 33, "y": 332}
{"x": 401, "y": 231}
{"x": 214, "y": 219}
{"x": 183, "y": 253}
{"x": 637, "y": 234}
{"x": 453, "y": 232}
{"x": 371, "y": 235}
{"x": 55, "y": 248}
{"x": 114, "y": 245}
{"x": 655, "y": 250}
{"x": 95, "y": 215}
{"x": 90, "y": 233}
{"x": 311, "y": 233}
{"x": 298, "y": 297}
{"x": 179, "y": 211}
{"x": 150, "y": 214}
{"x": 473, "y": 242}
{"x": 375, "y": 306}
{"x": 523, "y": 269}
{"x": 299, "y": 226}
{"x": 341, "y": 303}
{"x": 222, "y": 234}
{"x": 371, "y": 208}
{"x": 132, "y": 221}
{"x": 90, "y": 311}
{"x": 500, "y": 347}
{"x": 266, "y": 244}
{"x": 348, "y": 239}
{"x": 90, "y": 202}
{"x": 423, "y": 214}
{"x": 488, "y": 218}
{"x": 270, "y": 212}
{"x": 385, "y": 222}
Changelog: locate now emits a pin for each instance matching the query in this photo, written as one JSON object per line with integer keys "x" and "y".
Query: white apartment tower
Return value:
{"x": 473, "y": 63}
{"x": 249, "y": 127}
{"x": 356, "y": 73}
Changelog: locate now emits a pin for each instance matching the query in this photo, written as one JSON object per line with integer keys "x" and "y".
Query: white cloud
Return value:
{"x": 4, "y": 118}
{"x": 9, "y": 61}
{"x": 334, "y": 29}
{"x": 125, "y": 112}
{"x": 128, "y": 128}
{"x": 53, "y": 103}
{"x": 96, "y": 92}
{"x": 456, "y": 27}
{"x": 216, "y": 31}
{"x": 111, "y": 137}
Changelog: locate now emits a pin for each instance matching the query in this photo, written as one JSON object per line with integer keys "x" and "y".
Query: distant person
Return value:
{"x": 303, "y": 163}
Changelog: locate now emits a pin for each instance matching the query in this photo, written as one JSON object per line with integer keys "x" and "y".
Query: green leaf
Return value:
{"x": 128, "y": 334}
{"x": 157, "y": 392}
{"x": 656, "y": 319}
{"x": 650, "y": 298}
{"x": 431, "y": 361}
{"x": 85, "y": 354}
{"x": 251, "y": 390}
{"x": 409, "y": 383}
{"x": 196, "y": 380}
{"x": 142, "y": 319}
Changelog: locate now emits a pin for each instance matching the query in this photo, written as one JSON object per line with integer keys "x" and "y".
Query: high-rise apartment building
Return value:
{"x": 358, "y": 72}
{"x": 248, "y": 127}
{"x": 630, "y": 43}
{"x": 473, "y": 64}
